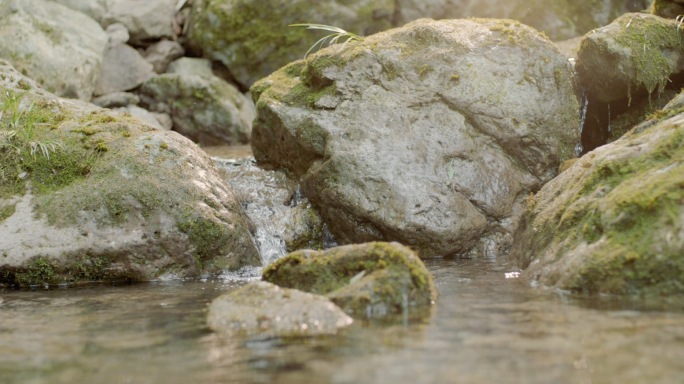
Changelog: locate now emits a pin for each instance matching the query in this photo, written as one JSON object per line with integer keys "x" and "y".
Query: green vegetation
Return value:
{"x": 333, "y": 38}
{"x": 26, "y": 142}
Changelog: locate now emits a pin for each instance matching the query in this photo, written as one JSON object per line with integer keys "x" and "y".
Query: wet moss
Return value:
{"x": 39, "y": 270}
{"x": 358, "y": 277}
{"x": 628, "y": 212}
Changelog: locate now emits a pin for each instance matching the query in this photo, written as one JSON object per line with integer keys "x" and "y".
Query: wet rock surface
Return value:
{"x": 365, "y": 280}
{"x": 267, "y": 310}
{"x": 431, "y": 135}
{"x": 613, "y": 222}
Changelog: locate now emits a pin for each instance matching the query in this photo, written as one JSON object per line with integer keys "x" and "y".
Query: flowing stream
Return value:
{"x": 485, "y": 328}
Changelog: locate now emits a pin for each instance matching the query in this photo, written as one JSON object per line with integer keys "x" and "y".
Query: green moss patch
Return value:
{"x": 625, "y": 218}
{"x": 382, "y": 278}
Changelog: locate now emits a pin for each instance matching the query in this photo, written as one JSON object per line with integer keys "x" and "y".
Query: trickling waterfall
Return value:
{"x": 584, "y": 104}
{"x": 274, "y": 205}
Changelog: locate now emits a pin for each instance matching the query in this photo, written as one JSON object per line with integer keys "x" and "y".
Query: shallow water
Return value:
{"x": 484, "y": 329}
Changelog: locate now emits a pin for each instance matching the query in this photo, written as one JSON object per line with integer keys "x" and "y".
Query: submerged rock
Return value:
{"x": 264, "y": 309}
{"x": 203, "y": 107}
{"x": 614, "y": 221}
{"x": 89, "y": 195}
{"x": 366, "y": 280}
{"x": 431, "y": 135}
{"x": 58, "y": 47}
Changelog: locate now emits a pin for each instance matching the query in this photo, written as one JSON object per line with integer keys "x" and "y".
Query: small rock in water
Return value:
{"x": 264, "y": 309}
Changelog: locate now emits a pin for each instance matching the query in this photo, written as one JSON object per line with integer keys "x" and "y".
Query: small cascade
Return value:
{"x": 276, "y": 208}
{"x": 584, "y": 105}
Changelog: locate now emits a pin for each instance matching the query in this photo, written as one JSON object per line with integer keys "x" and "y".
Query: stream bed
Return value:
{"x": 485, "y": 328}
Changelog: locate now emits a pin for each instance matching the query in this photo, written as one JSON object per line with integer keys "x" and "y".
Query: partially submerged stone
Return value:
{"x": 614, "y": 221}
{"x": 267, "y": 310}
{"x": 86, "y": 194}
{"x": 366, "y": 280}
{"x": 431, "y": 134}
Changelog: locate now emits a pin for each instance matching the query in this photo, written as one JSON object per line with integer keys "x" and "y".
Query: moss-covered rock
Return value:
{"x": 667, "y": 8}
{"x": 90, "y": 195}
{"x": 366, "y": 280}
{"x": 252, "y": 37}
{"x": 614, "y": 221}
{"x": 637, "y": 54}
{"x": 266, "y": 310}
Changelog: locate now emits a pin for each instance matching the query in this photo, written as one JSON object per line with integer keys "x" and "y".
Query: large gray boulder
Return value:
{"x": 252, "y": 38}
{"x": 614, "y": 221}
{"x": 204, "y": 107}
{"x": 635, "y": 55}
{"x": 86, "y": 194}
{"x": 431, "y": 134}
{"x": 60, "y": 48}
{"x": 267, "y": 310}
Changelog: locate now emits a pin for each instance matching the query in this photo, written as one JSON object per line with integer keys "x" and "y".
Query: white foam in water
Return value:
{"x": 244, "y": 274}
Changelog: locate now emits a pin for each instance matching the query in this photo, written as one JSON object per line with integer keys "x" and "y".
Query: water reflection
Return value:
{"x": 485, "y": 328}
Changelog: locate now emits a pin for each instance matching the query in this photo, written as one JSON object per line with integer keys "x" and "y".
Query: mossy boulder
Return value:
{"x": 204, "y": 107}
{"x": 614, "y": 221}
{"x": 366, "y": 280}
{"x": 252, "y": 37}
{"x": 431, "y": 134}
{"x": 60, "y": 48}
{"x": 266, "y": 310}
{"x": 87, "y": 194}
{"x": 667, "y": 8}
{"x": 636, "y": 55}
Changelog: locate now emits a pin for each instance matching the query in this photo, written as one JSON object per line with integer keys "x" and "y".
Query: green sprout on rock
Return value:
{"x": 333, "y": 38}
